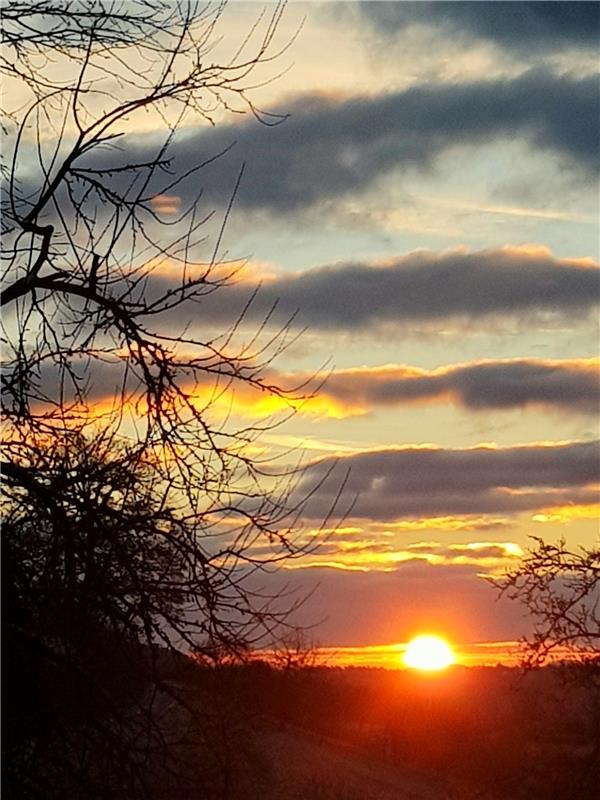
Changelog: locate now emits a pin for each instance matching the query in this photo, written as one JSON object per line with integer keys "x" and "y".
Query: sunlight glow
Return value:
{"x": 428, "y": 653}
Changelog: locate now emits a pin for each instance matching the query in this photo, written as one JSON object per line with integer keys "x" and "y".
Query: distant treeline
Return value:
{"x": 262, "y": 732}
{"x": 488, "y": 732}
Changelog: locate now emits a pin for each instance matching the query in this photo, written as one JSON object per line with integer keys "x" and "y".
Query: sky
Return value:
{"x": 430, "y": 211}
{"x": 426, "y": 211}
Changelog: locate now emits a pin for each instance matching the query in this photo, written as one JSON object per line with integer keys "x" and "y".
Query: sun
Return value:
{"x": 429, "y": 653}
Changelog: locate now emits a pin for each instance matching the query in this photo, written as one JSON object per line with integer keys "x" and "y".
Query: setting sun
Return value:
{"x": 428, "y": 653}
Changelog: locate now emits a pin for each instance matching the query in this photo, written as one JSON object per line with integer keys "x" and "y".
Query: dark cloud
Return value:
{"x": 567, "y": 385}
{"x": 522, "y": 26}
{"x": 427, "y": 481}
{"x": 423, "y": 290}
{"x": 421, "y": 287}
{"x": 329, "y": 148}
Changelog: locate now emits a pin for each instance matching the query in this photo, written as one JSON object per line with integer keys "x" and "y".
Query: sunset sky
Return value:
{"x": 428, "y": 214}
{"x": 430, "y": 209}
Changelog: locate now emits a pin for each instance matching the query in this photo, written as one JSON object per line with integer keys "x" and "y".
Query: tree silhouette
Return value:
{"x": 560, "y": 588}
{"x": 136, "y": 513}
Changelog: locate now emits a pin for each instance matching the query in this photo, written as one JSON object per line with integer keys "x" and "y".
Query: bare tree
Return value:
{"x": 99, "y": 569}
{"x": 560, "y": 588}
{"x": 87, "y": 307}
{"x": 134, "y": 518}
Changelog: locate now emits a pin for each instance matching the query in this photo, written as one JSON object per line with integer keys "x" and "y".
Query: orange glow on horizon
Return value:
{"x": 390, "y": 656}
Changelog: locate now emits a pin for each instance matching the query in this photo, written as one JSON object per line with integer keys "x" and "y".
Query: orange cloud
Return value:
{"x": 567, "y": 513}
{"x": 166, "y": 204}
{"x": 488, "y": 384}
{"x": 447, "y": 523}
{"x": 358, "y": 551}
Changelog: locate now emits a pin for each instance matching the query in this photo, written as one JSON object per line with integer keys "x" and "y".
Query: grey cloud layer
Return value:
{"x": 422, "y": 290}
{"x": 419, "y": 287}
{"x": 569, "y": 385}
{"x": 330, "y": 148}
{"x": 514, "y": 25}
{"x": 404, "y": 482}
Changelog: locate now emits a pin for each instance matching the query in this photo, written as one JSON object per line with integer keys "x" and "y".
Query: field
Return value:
{"x": 355, "y": 734}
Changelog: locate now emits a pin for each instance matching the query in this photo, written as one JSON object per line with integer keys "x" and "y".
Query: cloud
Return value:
{"x": 329, "y": 147}
{"x": 364, "y": 553}
{"x": 428, "y": 481}
{"x": 422, "y": 290}
{"x": 572, "y": 386}
{"x": 522, "y": 26}
{"x": 470, "y": 553}
{"x": 165, "y": 204}
{"x": 422, "y": 287}
{"x": 448, "y": 524}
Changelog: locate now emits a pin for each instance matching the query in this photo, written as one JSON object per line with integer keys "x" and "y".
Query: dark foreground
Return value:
{"x": 316, "y": 733}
